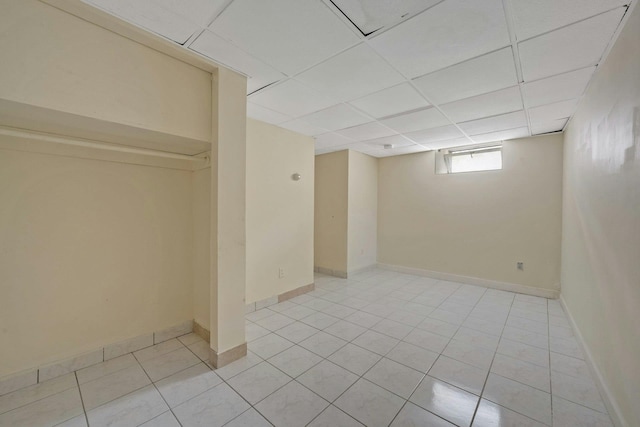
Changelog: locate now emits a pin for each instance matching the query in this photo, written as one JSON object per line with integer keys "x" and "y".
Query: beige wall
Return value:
{"x": 92, "y": 252}
{"x": 362, "y": 211}
{"x": 331, "y": 207}
{"x": 279, "y": 210}
{"x": 601, "y": 221}
{"x": 54, "y": 60}
{"x": 476, "y": 224}
{"x": 201, "y": 223}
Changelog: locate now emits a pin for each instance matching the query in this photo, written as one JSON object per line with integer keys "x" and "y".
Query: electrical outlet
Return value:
{"x": 281, "y": 273}
{"x": 520, "y": 265}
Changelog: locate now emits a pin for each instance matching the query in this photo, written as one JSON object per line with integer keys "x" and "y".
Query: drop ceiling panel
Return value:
{"x": 436, "y": 134}
{"x": 494, "y": 124}
{"x": 395, "y": 140}
{"x": 290, "y": 35}
{"x": 536, "y": 17}
{"x": 502, "y": 135}
{"x": 372, "y": 15}
{"x": 331, "y": 139}
{"x": 393, "y": 100}
{"x": 446, "y": 34}
{"x": 557, "y": 88}
{"x": 552, "y": 126}
{"x": 223, "y": 52}
{"x": 551, "y": 112}
{"x": 300, "y": 126}
{"x": 266, "y": 115}
{"x": 337, "y": 117}
{"x": 292, "y": 98}
{"x": 417, "y": 120}
{"x": 409, "y": 149}
{"x": 489, "y": 104}
{"x": 476, "y": 76}
{"x": 576, "y": 46}
{"x": 174, "y": 19}
{"x": 367, "y": 131}
{"x": 449, "y": 143}
{"x": 352, "y": 74}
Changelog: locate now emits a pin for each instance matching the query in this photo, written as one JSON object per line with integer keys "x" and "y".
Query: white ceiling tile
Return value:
{"x": 449, "y": 143}
{"x": 576, "y": 46}
{"x": 495, "y": 123}
{"x": 300, "y": 126}
{"x": 489, "y": 104}
{"x": 367, "y": 131}
{"x": 417, "y": 120}
{"x": 436, "y": 134}
{"x": 552, "y": 126}
{"x": 536, "y": 17}
{"x": 557, "y": 88}
{"x": 223, "y": 52}
{"x": 551, "y": 112}
{"x": 502, "y": 135}
{"x": 331, "y": 139}
{"x": 480, "y": 75}
{"x": 354, "y": 73}
{"x": 395, "y": 140}
{"x": 372, "y": 15}
{"x": 337, "y": 117}
{"x": 290, "y": 35}
{"x": 393, "y": 100}
{"x": 291, "y": 98}
{"x": 174, "y": 19}
{"x": 451, "y": 32}
{"x": 409, "y": 149}
{"x": 266, "y": 115}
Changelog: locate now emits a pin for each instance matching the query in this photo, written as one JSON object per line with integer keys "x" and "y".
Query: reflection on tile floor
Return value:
{"x": 379, "y": 349}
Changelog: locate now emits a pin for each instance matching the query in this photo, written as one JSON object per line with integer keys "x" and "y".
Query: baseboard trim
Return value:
{"x": 253, "y": 306}
{"x": 612, "y": 407}
{"x": 218, "y": 360}
{"x": 361, "y": 270}
{"x": 16, "y": 381}
{"x": 201, "y": 331}
{"x": 487, "y": 283}
{"x": 329, "y": 272}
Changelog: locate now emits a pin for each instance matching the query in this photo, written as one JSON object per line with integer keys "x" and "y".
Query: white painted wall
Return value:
{"x": 279, "y": 210}
{"x": 362, "y": 211}
{"x": 92, "y": 252}
{"x": 601, "y": 221}
{"x": 201, "y": 224}
{"x": 477, "y": 224}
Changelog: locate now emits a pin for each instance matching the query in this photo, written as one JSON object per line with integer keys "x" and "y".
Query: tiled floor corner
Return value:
{"x": 379, "y": 349}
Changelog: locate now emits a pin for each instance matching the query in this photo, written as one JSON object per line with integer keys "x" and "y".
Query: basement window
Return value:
{"x": 469, "y": 159}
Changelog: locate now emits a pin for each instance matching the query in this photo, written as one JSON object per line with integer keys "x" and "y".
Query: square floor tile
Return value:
{"x": 345, "y": 330}
{"x": 449, "y": 402}
{"x": 133, "y": 409}
{"x": 333, "y": 417}
{"x": 158, "y": 350}
{"x": 249, "y": 418}
{"x": 355, "y": 359}
{"x": 258, "y": 382}
{"x": 269, "y": 345}
{"x": 328, "y": 380}
{"x": 582, "y": 391}
{"x": 414, "y": 416}
{"x": 413, "y": 356}
{"x": 292, "y": 405}
{"x": 392, "y": 328}
{"x": 569, "y": 414}
{"x": 253, "y": 332}
{"x": 459, "y": 374}
{"x": 215, "y": 407}
{"x": 521, "y": 371}
{"x": 166, "y": 419}
{"x": 363, "y": 319}
{"x": 240, "y": 365}
{"x": 169, "y": 363}
{"x": 182, "y": 386}
{"x": 296, "y": 332}
{"x": 295, "y": 360}
{"x": 298, "y": 312}
{"x": 469, "y": 353}
{"x": 394, "y": 377}
{"x": 319, "y": 320}
{"x": 105, "y": 368}
{"x": 110, "y": 387}
{"x": 323, "y": 344}
{"x": 518, "y": 397}
{"x": 370, "y": 404}
{"x": 51, "y": 410}
{"x": 525, "y": 352}
{"x": 376, "y": 342}
{"x": 274, "y": 322}
{"x": 491, "y": 415}
{"x": 427, "y": 340}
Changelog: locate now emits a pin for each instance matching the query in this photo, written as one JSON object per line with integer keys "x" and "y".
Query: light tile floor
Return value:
{"x": 379, "y": 349}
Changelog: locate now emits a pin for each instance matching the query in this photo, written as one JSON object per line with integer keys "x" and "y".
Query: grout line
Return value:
{"x": 84, "y": 410}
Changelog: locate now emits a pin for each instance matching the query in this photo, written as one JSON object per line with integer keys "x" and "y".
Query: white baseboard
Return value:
{"x": 612, "y": 407}
{"x": 487, "y": 283}
{"x": 361, "y": 269}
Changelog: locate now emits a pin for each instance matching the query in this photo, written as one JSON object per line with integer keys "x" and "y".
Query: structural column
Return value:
{"x": 228, "y": 226}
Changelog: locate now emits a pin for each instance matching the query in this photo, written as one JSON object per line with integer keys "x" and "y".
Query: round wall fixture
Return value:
{"x": 296, "y": 177}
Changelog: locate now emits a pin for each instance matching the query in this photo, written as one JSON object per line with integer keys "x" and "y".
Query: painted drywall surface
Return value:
{"x": 476, "y": 224}
{"x": 362, "y": 211}
{"x": 279, "y": 210}
{"x": 601, "y": 220}
{"x": 201, "y": 202}
{"x": 331, "y": 205}
{"x": 77, "y": 67}
{"x": 91, "y": 253}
